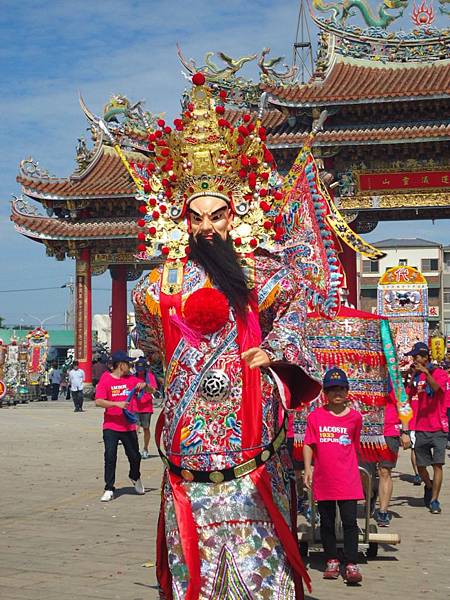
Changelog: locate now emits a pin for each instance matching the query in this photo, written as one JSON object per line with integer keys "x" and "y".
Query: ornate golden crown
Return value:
{"x": 205, "y": 155}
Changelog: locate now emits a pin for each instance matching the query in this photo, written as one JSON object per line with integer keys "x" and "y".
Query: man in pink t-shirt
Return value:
{"x": 428, "y": 387}
{"x": 112, "y": 394}
{"x": 333, "y": 439}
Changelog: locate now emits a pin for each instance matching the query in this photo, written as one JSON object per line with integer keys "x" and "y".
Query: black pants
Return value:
{"x": 55, "y": 391}
{"x": 347, "y": 509}
{"x": 77, "y": 397}
{"x": 130, "y": 444}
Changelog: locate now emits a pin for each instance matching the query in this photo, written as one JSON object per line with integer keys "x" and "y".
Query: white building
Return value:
{"x": 426, "y": 256}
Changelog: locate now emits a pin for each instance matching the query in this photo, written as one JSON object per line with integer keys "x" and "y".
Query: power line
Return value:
{"x": 49, "y": 288}
{"x": 30, "y": 290}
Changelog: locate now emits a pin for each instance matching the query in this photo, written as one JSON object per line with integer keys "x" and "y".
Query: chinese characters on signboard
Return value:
{"x": 402, "y": 181}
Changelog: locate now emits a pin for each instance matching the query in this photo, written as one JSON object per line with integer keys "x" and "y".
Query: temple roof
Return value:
{"x": 291, "y": 136}
{"x": 104, "y": 176}
{"x": 361, "y": 81}
{"x": 46, "y": 228}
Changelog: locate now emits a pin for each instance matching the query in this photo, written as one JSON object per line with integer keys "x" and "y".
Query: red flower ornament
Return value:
{"x": 206, "y": 310}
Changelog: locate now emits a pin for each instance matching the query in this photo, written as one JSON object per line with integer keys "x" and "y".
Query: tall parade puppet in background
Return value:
{"x": 243, "y": 253}
{"x": 38, "y": 341}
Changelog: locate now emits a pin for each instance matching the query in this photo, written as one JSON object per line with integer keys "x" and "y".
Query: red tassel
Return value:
{"x": 188, "y": 536}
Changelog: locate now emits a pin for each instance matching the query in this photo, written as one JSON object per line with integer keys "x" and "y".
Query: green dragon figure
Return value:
{"x": 342, "y": 10}
{"x": 442, "y": 8}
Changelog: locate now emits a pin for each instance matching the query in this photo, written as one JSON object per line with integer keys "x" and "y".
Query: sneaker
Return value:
{"x": 138, "y": 486}
{"x": 382, "y": 518}
{"x": 417, "y": 480}
{"x": 427, "y": 493}
{"x": 145, "y": 454}
{"x": 435, "y": 507}
{"x": 107, "y": 496}
{"x": 352, "y": 574}
{"x": 332, "y": 569}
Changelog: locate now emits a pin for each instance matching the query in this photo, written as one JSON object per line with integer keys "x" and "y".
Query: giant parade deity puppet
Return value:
{"x": 242, "y": 255}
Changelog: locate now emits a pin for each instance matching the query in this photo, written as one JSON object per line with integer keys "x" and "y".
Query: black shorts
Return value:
{"x": 393, "y": 443}
{"x": 430, "y": 448}
{"x": 143, "y": 419}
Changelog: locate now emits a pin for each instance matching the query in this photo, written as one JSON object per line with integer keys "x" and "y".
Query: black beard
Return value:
{"x": 221, "y": 263}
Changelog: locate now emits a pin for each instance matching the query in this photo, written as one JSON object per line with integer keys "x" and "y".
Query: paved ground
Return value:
{"x": 58, "y": 542}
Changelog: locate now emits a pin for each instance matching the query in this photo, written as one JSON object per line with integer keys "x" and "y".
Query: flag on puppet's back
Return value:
{"x": 353, "y": 342}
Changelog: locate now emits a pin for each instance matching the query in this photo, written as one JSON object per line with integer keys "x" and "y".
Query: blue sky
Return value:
{"x": 51, "y": 50}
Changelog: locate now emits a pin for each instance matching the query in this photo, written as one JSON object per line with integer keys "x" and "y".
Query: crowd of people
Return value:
{"x": 332, "y": 440}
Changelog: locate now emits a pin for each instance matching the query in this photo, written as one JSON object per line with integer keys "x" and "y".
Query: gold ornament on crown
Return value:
{"x": 204, "y": 155}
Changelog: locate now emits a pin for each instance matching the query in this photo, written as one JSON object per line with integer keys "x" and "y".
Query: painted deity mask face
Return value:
{"x": 209, "y": 215}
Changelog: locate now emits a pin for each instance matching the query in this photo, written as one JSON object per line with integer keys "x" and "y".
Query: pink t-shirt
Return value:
{"x": 392, "y": 423}
{"x": 115, "y": 390}
{"x": 144, "y": 403}
{"x": 431, "y": 412}
{"x": 447, "y": 394}
{"x": 335, "y": 441}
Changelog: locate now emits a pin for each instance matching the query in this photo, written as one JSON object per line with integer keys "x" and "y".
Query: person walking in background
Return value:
{"x": 447, "y": 399}
{"x": 76, "y": 382}
{"x": 333, "y": 439}
{"x": 98, "y": 368}
{"x": 395, "y": 437}
{"x": 55, "y": 380}
{"x": 112, "y": 394}
{"x": 142, "y": 404}
{"x": 427, "y": 388}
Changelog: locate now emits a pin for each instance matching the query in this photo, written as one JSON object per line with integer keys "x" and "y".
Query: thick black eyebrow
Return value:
{"x": 212, "y": 214}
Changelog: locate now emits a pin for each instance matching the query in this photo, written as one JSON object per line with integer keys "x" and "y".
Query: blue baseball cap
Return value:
{"x": 121, "y": 356}
{"x": 335, "y": 376}
{"x": 418, "y": 348}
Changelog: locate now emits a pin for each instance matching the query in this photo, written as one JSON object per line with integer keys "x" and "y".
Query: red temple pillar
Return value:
{"x": 119, "y": 329}
{"x": 348, "y": 260}
{"x": 83, "y": 314}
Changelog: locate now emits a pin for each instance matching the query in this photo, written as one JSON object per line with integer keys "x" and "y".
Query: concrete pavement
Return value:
{"x": 58, "y": 542}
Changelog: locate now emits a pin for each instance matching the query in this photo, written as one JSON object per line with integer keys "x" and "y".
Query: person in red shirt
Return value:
{"x": 112, "y": 394}
{"x": 395, "y": 437}
{"x": 447, "y": 399}
{"x": 142, "y": 404}
{"x": 427, "y": 388}
{"x": 333, "y": 438}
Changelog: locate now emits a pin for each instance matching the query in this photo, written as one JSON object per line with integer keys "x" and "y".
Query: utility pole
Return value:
{"x": 302, "y": 48}
{"x": 69, "y": 313}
